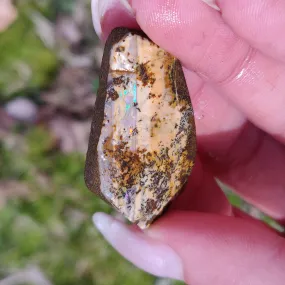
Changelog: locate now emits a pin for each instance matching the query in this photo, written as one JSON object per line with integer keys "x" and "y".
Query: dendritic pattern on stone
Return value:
{"x": 146, "y": 143}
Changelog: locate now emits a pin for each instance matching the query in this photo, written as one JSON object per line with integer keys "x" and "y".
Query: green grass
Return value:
{"x": 51, "y": 227}
{"x": 238, "y": 202}
{"x": 26, "y": 64}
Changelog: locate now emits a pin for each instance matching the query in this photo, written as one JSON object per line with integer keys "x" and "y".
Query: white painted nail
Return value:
{"x": 100, "y": 7}
{"x": 212, "y": 3}
{"x": 151, "y": 256}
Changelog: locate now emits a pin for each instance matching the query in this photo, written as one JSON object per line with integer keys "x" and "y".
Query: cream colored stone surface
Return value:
{"x": 141, "y": 145}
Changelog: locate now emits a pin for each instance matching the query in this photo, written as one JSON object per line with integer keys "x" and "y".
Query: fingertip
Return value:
{"x": 212, "y": 4}
{"x": 184, "y": 244}
{"x": 213, "y": 244}
{"x": 102, "y": 221}
{"x": 110, "y": 14}
{"x": 202, "y": 194}
{"x": 151, "y": 256}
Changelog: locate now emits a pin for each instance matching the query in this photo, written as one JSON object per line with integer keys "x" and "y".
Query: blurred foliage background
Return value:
{"x": 49, "y": 63}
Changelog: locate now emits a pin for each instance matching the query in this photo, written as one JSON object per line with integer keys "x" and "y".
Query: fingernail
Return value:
{"x": 149, "y": 255}
{"x": 212, "y": 3}
{"x": 100, "y": 7}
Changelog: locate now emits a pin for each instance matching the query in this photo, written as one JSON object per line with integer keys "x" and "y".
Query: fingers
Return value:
{"x": 212, "y": 3}
{"x": 201, "y": 249}
{"x": 209, "y": 245}
{"x": 199, "y": 37}
{"x": 193, "y": 32}
{"x": 250, "y": 91}
{"x": 260, "y": 22}
{"x": 254, "y": 166}
{"x": 237, "y": 152}
{"x": 218, "y": 122}
{"x": 202, "y": 194}
{"x": 153, "y": 257}
{"x": 224, "y": 136}
{"x": 107, "y": 14}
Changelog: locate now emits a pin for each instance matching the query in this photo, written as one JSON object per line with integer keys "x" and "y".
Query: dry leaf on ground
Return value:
{"x": 12, "y": 189}
{"x": 72, "y": 134}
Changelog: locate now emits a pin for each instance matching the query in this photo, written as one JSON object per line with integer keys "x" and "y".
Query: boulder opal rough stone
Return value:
{"x": 142, "y": 144}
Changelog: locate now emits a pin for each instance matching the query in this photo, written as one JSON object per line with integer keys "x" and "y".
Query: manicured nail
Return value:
{"x": 149, "y": 255}
{"x": 212, "y": 3}
{"x": 100, "y": 7}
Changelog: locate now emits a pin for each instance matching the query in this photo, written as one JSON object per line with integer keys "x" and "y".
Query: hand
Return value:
{"x": 234, "y": 63}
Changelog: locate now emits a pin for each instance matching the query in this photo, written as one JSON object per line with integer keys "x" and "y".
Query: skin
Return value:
{"x": 234, "y": 64}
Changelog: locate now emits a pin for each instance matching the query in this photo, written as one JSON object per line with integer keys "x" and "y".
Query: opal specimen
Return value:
{"x": 142, "y": 144}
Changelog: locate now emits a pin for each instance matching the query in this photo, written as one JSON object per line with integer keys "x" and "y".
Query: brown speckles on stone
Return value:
{"x": 160, "y": 53}
{"x": 119, "y": 80}
{"x": 144, "y": 74}
{"x": 120, "y": 49}
{"x": 151, "y": 205}
{"x": 113, "y": 94}
{"x": 127, "y": 165}
{"x": 135, "y": 132}
{"x": 152, "y": 95}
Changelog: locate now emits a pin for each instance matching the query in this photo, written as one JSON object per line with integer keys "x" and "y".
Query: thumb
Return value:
{"x": 201, "y": 248}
